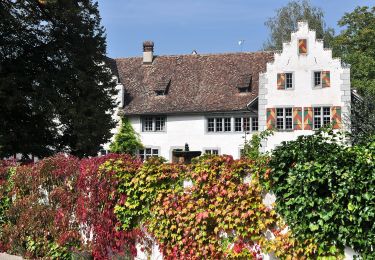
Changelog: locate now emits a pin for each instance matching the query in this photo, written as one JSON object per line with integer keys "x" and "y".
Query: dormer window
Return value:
{"x": 245, "y": 83}
{"x": 160, "y": 92}
{"x": 162, "y": 87}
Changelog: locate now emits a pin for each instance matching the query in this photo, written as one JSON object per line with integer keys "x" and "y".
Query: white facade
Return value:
{"x": 191, "y": 129}
{"x": 303, "y": 93}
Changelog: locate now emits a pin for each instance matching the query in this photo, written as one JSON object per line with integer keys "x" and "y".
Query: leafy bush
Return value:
{"x": 326, "y": 192}
{"x": 39, "y": 217}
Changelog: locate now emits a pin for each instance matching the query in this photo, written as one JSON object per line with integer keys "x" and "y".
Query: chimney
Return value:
{"x": 148, "y": 52}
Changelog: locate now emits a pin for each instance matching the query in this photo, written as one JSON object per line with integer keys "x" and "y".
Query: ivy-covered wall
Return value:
{"x": 103, "y": 207}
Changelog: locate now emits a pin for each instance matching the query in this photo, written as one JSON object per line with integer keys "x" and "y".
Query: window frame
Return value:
{"x": 154, "y": 122}
{"x": 291, "y": 79}
{"x": 314, "y": 79}
{"x": 284, "y": 118}
{"x": 144, "y": 156}
{"x": 322, "y": 116}
{"x": 212, "y": 150}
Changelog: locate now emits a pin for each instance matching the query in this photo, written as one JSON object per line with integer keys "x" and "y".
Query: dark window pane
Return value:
{"x": 238, "y": 124}
{"x": 255, "y": 124}
{"x": 219, "y": 124}
{"x": 227, "y": 124}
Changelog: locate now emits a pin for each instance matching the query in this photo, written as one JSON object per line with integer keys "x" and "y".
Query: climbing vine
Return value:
{"x": 219, "y": 216}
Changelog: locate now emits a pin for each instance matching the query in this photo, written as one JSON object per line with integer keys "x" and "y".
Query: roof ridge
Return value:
{"x": 195, "y": 55}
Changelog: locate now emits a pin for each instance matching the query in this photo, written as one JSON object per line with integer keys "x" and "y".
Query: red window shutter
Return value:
{"x": 271, "y": 117}
{"x": 297, "y": 118}
{"x": 336, "y": 117}
{"x": 280, "y": 80}
{"x": 308, "y": 118}
{"x": 326, "y": 79}
{"x": 302, "y": 46}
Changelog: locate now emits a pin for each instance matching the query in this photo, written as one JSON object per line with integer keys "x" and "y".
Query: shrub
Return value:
{"x": 126, "y": 140}
{"x": 39, "y": 217}
{"x": 326, "y": 192}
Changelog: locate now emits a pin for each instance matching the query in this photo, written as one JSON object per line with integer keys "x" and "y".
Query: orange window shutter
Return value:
{"x": 326, "y": 79}
{"x": 308, "y": 118}
{"x": 297, "y": 118}
{"x": 271, "y": 117}
{"x": 280, "y": 80}
{"x": 336, "y": 117}
{"x": 302, "y": 46}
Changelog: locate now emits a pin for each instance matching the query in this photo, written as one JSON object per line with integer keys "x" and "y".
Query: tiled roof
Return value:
{"x": 196, "y": 83}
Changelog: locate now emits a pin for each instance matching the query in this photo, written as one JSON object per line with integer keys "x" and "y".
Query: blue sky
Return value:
{"x": 208, "y": 26}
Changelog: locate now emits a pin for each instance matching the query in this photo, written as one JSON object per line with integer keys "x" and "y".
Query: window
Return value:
{"x": 322, "y": 117}
{"x": 147, "y": 124}
{"x": 219, "y": 124}
{"x": 146, "y": 153}
{"x": 284, "y": 118}
{"x": 238, "y": 124}
{"x": 284, "y": 81}
{"x": 211, "y": 125}
{"x": 211, "y": 151}
{"x": 289, "y": 80}
{"x": 153, "y": 124}
{"x": 254, "y": 124}
{"x": 317, "y": 79}
{"x": 227, "y": 124}
{"x": 160, "y": 92}
{"x": 245, "y": 124}
{"x": 159, "y": 123}
{"x": 224, "y": 124}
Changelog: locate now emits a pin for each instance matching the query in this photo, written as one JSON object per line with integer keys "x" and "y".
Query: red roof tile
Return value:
{"x": 198, "y": 83}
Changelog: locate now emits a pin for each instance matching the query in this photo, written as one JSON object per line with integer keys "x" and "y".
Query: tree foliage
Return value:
{"x": 325, "y": 192}
{"x": 356, "y": 46}
{"x": 55, "y": 87}
{"x": 126, "y": 140}
{"x": 362, "y": 119}
{"x": 286, "y": 21}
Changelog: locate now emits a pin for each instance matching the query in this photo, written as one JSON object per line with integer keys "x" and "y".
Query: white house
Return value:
{"x": 214, "y": 101}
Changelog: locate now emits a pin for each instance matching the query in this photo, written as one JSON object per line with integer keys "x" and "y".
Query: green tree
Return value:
{"x": 26, "y": 118}
{"x": 362, "y": 119}
{"x": 286, "y": 21}
{"x": 356, "y": 46}
{"x": 56, "y": 90}
{"x": 126, "y": 140}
